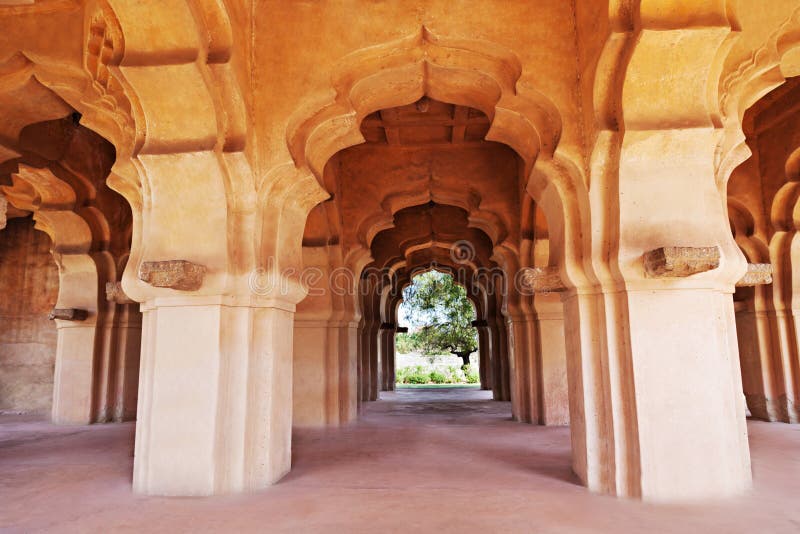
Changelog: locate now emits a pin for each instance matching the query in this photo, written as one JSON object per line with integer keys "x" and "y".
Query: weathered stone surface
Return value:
{"x": 680, "y": 262}
{"x": 174, "y": 274}
{"x": 3, "y": 211}
{"x": 757, "y": 274}
{"x": 68, "y": 314}
{"x": 115, "y": 293}
{"x": 540, "y": 280}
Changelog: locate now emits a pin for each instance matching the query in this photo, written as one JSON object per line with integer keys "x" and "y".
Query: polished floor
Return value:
{"x": 445, "y": 460}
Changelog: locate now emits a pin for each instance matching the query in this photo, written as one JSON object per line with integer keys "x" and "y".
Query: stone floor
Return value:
{"x": 419, "y": 461}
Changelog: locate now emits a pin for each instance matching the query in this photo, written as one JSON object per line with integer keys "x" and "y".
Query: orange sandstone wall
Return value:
{"x": 28, "y": 291}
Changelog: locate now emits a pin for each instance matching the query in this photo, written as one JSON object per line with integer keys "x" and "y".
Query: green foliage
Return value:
{"x": 423, "y": 374}
{"x": 440, "y": 315}
{"x": 404, "y": 343}
{"x": 472, "y": 376}
{"x": 438, "y": 378}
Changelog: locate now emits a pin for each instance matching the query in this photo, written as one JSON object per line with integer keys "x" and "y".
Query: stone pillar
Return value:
{"x": 501, "y": 390}
{"x": 215, "y": 396}
{"x": 484, "y": 353}
{"x": 522, "y": 369}
{"x": 75, "y": 317}
{"x": 386, "y": 342}
{"x": 324, "y": 361}
{"x": 552, "y": 359}
{"x": 128, "y": 325}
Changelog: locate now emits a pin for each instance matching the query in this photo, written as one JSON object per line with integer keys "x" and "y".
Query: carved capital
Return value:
{"x": 541, "y": 280}
{"x": 757, "y": 274}
{"x": 114, "y": 293}
{"x": 680, "y": 262}
{"x": 174, "y": 274}
{"x": 68, "y": 314}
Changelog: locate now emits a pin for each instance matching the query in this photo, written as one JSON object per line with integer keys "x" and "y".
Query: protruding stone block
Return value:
{"x": 115, "y": 293}
{"x": 174, "y": 274}
{"x": 402, "y": 330}
{"x": 68, "y": 314}
{"x": 540, "y": 280}
{"x": 680, "y": 262}
{"x": 757, "y": 274}
{"x": 480, "y": 323}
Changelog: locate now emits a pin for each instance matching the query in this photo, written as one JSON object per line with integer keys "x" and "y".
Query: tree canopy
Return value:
{"x": 440, "y": 317}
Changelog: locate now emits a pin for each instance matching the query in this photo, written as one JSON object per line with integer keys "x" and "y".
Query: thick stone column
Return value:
{"x": 386, "y": 344}
{"x": 128, "y": 325}
{"x": 76, "y": 320}
{"x": 215, "y": 396}
{"x": 484, "y": 352}
{"x": 551, "y": 352}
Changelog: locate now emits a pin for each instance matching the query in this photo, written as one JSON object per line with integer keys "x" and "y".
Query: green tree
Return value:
{"x": 440, "y": 316}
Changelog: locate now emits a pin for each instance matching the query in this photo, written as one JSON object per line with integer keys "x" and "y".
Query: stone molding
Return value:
{"x": 68, "y": 314}
{"x": 757, "y": 274}
{"x": 680, "y": 262}
{"x": 182, "y": 275}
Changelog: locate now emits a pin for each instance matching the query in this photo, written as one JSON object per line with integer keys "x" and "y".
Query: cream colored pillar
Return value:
{"x": 128, "y": 325}
{"x": 215, "y": 397}
{"x": 324, "y": 361}
{"x": 551, "y": 353}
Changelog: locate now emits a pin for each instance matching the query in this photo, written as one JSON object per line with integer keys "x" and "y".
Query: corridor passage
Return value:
{"x": 419, "y": 460}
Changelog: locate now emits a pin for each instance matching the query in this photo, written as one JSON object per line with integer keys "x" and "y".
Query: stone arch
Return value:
{"x": 473, "y": 73}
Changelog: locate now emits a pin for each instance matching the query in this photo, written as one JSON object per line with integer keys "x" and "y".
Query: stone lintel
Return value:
{"x": 68, "y": 314}
{"x": 174, "y": 274}
{"x": 541, "y": 280}
{"x": 114, "y": 293}
{"x": 680, "y": 262}
{"x": 757, "y": 274}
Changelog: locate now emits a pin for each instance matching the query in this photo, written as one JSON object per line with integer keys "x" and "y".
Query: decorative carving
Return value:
{"x": 680, "y": 262}
{"x": 68, "y": 314}
{"x": 114, "y": 293}
{"x": 540, "y": 280}
{"x": 757, "y": 274}
{"x": 175, "y": 274}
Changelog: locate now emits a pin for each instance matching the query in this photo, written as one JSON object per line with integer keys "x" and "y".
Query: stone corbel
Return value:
{"x": 680, "y": 262}
{"x": 114, "y": 293}
{"x": 174, "y": 274}
{"x": 541, "y": 280}
{"x": 757, "y": 274}
{"x": 68, "y": 314}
